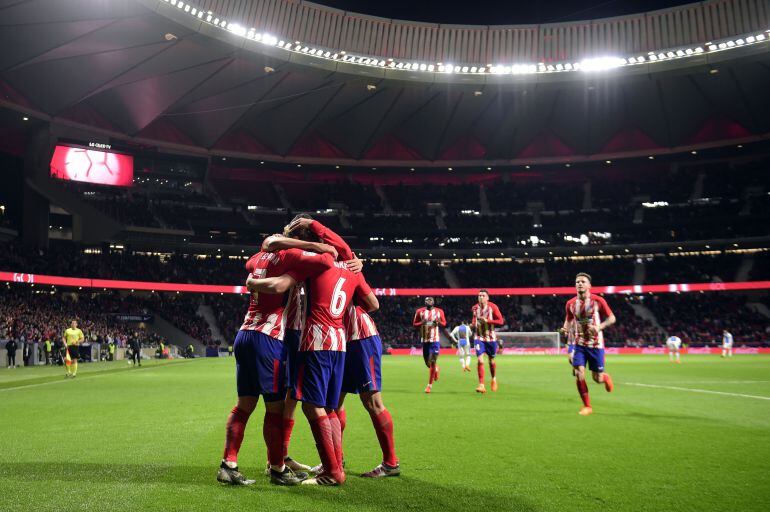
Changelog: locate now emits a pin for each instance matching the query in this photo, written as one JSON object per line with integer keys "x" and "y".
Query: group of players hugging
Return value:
{"x": 308, "y": 337}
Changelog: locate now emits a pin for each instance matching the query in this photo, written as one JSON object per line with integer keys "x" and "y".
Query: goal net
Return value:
{"x": 530, "y": 339}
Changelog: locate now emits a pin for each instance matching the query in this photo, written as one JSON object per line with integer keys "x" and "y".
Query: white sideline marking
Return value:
{"x": 694, "y": 390}
{"x": 91, "y": 375}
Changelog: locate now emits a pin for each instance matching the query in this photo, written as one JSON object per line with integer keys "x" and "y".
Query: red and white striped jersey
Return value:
{"x": 267, "y": 312}
{"x": 329, "y": 288}
{"x": 485, "y": 330}
{"x": 428, "y": 322}
{"x": 295, "y": 308}
{"x": 359, "y": 324}
{"x": 581, "y": 313}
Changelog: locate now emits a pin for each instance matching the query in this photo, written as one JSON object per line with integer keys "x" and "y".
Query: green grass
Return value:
{"x": 119, "y": 438}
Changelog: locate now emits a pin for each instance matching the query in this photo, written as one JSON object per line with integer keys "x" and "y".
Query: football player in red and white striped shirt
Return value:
{"x": 583, "y": 321}
{"x": 259, "y": 354}
{"x": 486, "y": 315}
{"x": 362, "y": 375}
{"x": 330, "y": 289}
{"x": 428, "y": 320}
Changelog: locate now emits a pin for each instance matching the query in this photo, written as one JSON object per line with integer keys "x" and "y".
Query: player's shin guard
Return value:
{"x": 583, "y": 391}
{"x": 286, "y": 430}
{"x": 322, "y": 434}
{"x": 480, "y": 368}
{"x": 236, "y": 426}
{"x": 493, "y": 368}
{"x": 272, "y": 431}
{"x": 336, "y": 425}
{"x": 383, "y": 427}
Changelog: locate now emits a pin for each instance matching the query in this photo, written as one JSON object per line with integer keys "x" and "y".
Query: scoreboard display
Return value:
{"x": 94, "y": 163}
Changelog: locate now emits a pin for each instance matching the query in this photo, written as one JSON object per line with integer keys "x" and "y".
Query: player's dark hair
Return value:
{"x": 301, "y": 216}
{"x": 484, "y": 290}
{"x": 583, "y": 274}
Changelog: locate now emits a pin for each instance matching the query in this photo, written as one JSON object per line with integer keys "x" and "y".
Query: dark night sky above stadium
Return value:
{"x": 498, "y": 12}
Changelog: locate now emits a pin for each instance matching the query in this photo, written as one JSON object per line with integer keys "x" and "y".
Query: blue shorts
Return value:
{"x": 291, "y": 339}
{"x": 259, "y": 365}
{"x": 486, "y": 347}
{"x": 462, "y": 343}
{"x": 430, "y": 348}
{"x": 363, "y": 366}
{"x": 319, "y": 377}
{"x": 593, "y": 356}
{"x": 570, "y": 348}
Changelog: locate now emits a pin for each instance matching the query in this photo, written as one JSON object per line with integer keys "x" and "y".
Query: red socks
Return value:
{"x": 236, "y": 426}
{"x": 342, "y": 415}
{"x": 288, "y": 426}
{"x": 480, "y": 368}
{"x": 493, "y": 367}
{"x": 334, "y": 421}
{"x": 432, "y": 373}
{"x": 324, "y": 442}
{"x": 383, "y": 427}
{"x": 583, "y": 390}
{"x": 272, "y": 431}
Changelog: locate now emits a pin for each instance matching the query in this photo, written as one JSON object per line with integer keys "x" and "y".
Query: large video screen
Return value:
{"x": 92, "y": 166}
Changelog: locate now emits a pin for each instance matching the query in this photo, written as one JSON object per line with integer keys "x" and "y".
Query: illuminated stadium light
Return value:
{"x": 601, "y": 64}
{"x": 588, "y": 65}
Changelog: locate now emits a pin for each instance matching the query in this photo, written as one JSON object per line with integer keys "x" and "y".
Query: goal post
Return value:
{"x": 550, "y": 340}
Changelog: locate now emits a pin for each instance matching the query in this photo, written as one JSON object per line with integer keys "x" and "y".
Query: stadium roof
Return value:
{"x": 151, "y": 71}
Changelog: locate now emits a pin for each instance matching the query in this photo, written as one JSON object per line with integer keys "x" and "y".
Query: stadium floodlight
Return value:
{"x": 458, "y": 69}
{"x": 601, "y": 64}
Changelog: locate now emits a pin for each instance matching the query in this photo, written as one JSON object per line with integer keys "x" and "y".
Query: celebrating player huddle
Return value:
{"x": 308, "y": 299}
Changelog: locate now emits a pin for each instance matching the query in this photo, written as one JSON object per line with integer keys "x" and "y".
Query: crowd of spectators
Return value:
{"x": 40, "y": 313}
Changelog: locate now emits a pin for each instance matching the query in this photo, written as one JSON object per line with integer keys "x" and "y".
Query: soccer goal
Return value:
{"x": 530, "y": 339}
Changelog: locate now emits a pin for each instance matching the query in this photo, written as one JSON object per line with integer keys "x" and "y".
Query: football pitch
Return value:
{"x": 694, "y": 436}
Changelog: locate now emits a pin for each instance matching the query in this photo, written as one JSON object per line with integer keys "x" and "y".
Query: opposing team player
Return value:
{"x": 362, "y": 373}
{"x": 259, "y": 357}
{"x": 674, "y": 343}
{"x": 486, "y": 315}
{"x": 428, "y": 319}
{"x": 330, "y": 290}
{"x": 727, "y": 343}
{"x": 583, "y": 316}
{"x": 461, "y": 336}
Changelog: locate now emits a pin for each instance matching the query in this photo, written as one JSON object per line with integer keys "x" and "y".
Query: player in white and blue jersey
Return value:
{"x": 461, "y": 336}
{"x": 727, "y": 344}
{"x": 674, "y": 343}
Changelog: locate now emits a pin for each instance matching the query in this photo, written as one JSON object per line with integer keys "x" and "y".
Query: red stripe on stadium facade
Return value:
{"x": 113, "y": 284}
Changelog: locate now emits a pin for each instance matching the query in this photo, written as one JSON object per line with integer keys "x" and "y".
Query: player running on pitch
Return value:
{"x": 674, "y": 343}
{"x": 727, "y": 344}
{"x": 583, "y": 316}
{"x": 428, "y": 319}
{"x": 461, "y": 336}
{"x": 486, "y": 315}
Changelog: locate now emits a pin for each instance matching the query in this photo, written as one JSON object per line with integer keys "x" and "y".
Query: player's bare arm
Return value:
{"x": 370, "y": 303}
{"x": 594, "y": 329}
{"x": 275, "y": 243}
{"x": 271, "y": 285}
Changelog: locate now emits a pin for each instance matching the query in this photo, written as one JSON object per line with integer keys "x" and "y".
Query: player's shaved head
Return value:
{"x": 429, "y": 302}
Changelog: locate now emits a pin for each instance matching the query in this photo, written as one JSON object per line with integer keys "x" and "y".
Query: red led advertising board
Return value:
{"x": 92, "y": 166}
